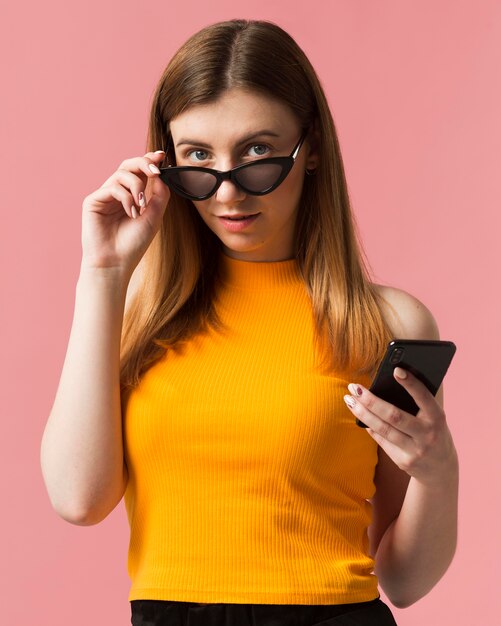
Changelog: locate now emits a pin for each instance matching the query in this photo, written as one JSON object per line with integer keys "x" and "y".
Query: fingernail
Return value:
{"x": 134, "y": 212}
{"x": 350, "y": 401}
{"x": 154, "y": 168}
{"x": 401, "y": 373}
{"x": 356, "y": 390}
{"x": 159, "y": 151}
{"x": 141, "y": 199}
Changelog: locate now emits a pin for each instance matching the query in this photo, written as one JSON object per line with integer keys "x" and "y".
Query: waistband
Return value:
{"x": 178, "y": 613}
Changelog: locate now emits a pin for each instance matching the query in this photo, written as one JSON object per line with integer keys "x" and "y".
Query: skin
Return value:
{"x": 414, "y": 528}
{"x": 222, "y": 125}
{"x": 413, "y": 535}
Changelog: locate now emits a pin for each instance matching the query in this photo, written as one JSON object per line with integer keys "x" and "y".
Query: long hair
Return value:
{"x": 175, "y": 298}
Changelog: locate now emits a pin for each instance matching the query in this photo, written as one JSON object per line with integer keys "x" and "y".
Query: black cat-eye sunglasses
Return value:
{"x": 256, "y": 178}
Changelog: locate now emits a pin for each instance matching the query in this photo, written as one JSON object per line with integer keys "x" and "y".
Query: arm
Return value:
{"x": 414, "y": 530}
{"x": 82, "y": 450}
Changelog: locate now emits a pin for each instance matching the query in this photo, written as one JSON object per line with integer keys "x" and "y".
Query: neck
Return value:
{"x": 253, "y": 275}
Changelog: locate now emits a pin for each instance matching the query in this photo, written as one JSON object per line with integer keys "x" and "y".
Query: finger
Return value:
{"x": 420, "y": 393}
{"x": 397, "y": 455}
{"x": 380, "y": 426}
{"x": 139, "y": 165}
{"x": 145, "y": 164}
{"x": 159, "y": 194}
{"x": 134, "y": 184}
{"x": 131, "y": 174}
{"x": 156, "y": 157}
{"x": 389, "y": 413}
{"x": 116, "y": 191}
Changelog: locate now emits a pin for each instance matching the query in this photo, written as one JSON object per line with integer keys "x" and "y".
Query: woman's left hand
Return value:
{"x": 421, "y": 444}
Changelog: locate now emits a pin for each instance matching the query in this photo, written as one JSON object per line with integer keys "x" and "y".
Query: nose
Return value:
{"x": 228, "y": 192}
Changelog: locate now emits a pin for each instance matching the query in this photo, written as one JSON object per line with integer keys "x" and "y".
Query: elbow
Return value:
{"x": 401, "y": 602}
{"x": 88, "y": 511}
{"x": 72, "y": 514}
{"x": 403, "y": 596}
{"x": 406, "y": 593}
{"x": 77, "y": 517}
{"x": 88, "y": 516}
{"x": 79, "y": 513}
{"x": 82, "y": 518}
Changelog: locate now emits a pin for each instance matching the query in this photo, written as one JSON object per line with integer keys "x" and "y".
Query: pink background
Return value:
{"x": 414, "y": 89}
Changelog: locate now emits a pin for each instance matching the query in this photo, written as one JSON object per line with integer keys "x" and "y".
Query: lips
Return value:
{"x": 238, "y": 216}
{"x": 237, "y": 222}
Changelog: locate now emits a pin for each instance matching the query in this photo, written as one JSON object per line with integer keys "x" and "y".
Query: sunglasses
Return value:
{"x": 257, "y": 178}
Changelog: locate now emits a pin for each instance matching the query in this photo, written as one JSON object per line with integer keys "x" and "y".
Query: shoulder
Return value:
{"x": 406, "y": 315}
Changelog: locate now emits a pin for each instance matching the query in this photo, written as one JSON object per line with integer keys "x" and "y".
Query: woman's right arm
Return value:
{"x": 81, "y": 452}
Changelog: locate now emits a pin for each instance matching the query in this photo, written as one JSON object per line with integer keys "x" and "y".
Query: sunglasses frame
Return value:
{"x": 286, "y": 162}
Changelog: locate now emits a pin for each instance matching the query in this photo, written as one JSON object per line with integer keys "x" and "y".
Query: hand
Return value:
{"x": 421, "y": 444}
{"x": 110, "y": 238}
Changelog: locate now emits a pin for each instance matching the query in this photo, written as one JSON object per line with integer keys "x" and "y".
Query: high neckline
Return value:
{"x": 252, "y": 275}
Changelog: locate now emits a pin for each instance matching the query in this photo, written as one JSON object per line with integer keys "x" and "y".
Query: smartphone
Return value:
{"x": 427, "y": 360}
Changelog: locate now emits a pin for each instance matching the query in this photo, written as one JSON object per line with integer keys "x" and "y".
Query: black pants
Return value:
{"x": 173, "y": 613}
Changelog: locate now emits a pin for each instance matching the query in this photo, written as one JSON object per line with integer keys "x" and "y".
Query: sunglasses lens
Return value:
{"x": 259, "y": 178}
{"x": 193, "y": 183}
{"x": 255, "y": 178}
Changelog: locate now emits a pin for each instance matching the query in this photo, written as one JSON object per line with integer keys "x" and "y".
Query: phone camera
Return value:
{"x": 396, "y": 356}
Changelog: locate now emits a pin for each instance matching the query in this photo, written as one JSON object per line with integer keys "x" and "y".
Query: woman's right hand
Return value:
{"x": 111, "y": 237}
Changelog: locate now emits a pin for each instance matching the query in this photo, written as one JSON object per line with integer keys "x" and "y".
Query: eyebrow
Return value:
{"x": 260, "y": 133}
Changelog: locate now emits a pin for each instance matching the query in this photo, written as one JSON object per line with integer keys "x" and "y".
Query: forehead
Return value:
{"x": 236, "y": 113}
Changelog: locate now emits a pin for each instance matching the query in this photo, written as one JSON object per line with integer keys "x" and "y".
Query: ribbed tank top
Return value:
{"x": 248, "y": 477}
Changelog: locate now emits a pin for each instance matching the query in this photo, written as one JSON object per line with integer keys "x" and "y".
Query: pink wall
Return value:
{"x": 414, "y": 89}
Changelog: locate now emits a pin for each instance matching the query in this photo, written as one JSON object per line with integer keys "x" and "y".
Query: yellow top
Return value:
{"x": 248, "y": 477}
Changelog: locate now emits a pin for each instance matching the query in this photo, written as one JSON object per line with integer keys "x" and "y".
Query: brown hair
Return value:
{"x": 175, "y": 298}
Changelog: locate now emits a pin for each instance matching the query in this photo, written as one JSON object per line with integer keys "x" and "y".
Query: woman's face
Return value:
{"x": 240, "y": 127}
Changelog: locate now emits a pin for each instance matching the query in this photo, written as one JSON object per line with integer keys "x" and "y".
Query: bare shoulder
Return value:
{"x": 407, "y": 316}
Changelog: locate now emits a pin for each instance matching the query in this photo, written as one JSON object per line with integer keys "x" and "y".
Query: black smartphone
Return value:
{"x": 427, "y": 360}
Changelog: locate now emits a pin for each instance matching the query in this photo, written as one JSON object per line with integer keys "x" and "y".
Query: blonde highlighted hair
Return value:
{"x": 175, "y": 297}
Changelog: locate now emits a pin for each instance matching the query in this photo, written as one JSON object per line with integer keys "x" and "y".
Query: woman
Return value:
{"x": 252, "y": 496}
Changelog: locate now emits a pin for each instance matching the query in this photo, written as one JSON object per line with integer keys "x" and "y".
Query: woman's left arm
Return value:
{"x": 414, "y": 530}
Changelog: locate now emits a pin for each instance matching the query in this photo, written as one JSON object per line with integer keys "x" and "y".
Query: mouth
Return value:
{"x": 237, "y": 222}
{"x": 237, "y": 216}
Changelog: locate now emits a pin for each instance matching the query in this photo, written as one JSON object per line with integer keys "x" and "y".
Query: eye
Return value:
{"x": 199, "y": 155}
{"x": 261, "y": 149}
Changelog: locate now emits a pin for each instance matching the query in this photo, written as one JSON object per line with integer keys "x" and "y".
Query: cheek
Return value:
{"x": 202, "y": 209}
{"x": 299, "y": 176}
{"x": 204, "y": 213}
{"x": 291, "y": 188}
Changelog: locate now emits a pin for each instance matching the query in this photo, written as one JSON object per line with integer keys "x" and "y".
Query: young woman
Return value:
{"x": 223, "y": 408}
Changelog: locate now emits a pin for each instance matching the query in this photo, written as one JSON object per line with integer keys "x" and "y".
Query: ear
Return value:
{"x": 313, "y": 140}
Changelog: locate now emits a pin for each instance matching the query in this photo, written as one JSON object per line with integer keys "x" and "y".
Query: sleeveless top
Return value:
{"x": 248, "y": 477}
